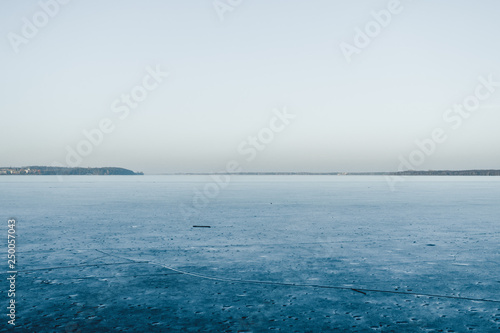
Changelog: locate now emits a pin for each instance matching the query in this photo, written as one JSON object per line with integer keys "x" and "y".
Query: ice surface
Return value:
{"x": 288, "y": 253}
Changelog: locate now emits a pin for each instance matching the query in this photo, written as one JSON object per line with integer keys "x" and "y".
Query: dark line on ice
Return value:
{"x": 356, "y": 290}
{"x": 359, "y": 290}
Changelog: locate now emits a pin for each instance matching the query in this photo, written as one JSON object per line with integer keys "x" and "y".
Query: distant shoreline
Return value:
{"x": 116, "y": 171}
{"x": 63, "y": 171}
{"x": 398, "y": 173}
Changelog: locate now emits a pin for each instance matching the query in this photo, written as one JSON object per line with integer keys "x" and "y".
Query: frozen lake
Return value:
{"x": 287, "y": 253}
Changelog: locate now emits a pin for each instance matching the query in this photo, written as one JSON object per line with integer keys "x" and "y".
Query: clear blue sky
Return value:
{"x": 227, "y": 76}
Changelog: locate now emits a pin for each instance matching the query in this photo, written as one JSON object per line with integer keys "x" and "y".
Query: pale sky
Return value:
{"x": 227, "y": 76}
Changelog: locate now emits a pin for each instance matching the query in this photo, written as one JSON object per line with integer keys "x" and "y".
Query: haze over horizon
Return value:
{"x": 274, "y": 69}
